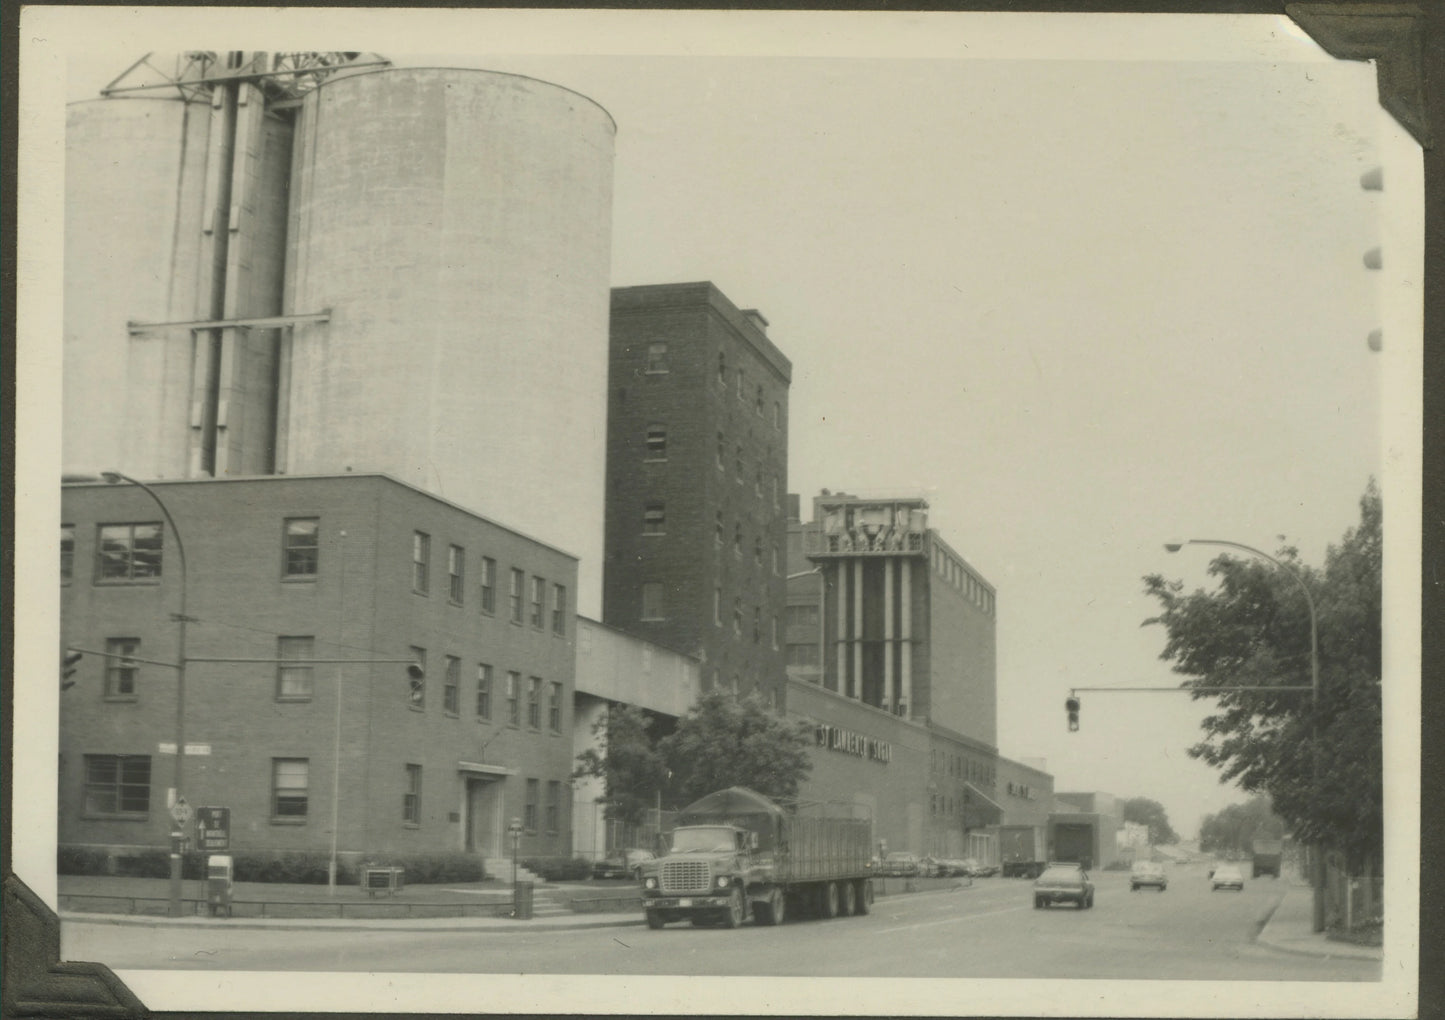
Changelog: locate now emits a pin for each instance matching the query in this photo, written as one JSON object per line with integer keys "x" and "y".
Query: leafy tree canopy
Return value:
{"x": 628, "y": 764}
{"x": 1253, "y": 630}
{"x": 1239, "y": 825}
{"x": 727, "y": 741}
{"x": 1143, "y": 811}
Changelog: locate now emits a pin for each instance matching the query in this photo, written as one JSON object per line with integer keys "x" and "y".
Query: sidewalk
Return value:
{"x": 1289, "y": 928}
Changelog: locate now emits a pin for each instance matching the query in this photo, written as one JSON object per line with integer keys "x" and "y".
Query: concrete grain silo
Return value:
{"x": 456, "y": 225}
{"x": 176, "y": 204}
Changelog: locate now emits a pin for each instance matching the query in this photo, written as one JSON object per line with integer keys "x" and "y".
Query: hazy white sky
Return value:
{"x": 1083, "y": 306}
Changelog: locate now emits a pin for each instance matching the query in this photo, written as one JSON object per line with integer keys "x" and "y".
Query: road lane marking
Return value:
{"x": 952, "y": 920}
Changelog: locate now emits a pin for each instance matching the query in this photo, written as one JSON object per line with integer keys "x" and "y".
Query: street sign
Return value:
{"x": 213, "y": 828}
{"x": 181, "y": 812}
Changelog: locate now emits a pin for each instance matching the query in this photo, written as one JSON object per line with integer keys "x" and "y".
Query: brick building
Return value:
{"x": 697, "y": 440}
{"x": 352, "y": 567}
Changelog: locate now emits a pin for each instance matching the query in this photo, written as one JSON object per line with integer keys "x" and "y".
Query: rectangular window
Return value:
{"x": 411, "y": 799}
{"x": 416, "y": 685}
{"x": 803, "y": 655}
{"x": 489, "y": 585}
{"x": 717, "y": 606}
{"x": 121, "y": 672}
{"x": 456, "y": 569}
{"x": 559, "y": 609}
{"x": 534, "y": 702}
{"x": 654, "y": 519}
{"x": 539, "y": 602}
{"x": 453, "y": 682}
{"x": 484, "y": 691}
{"x": 554, "y": 798}
{"x": 529, "y": 812}
{"x": 656, "y": 356}
{"x": 514, "y": 683}
{"x": 290, "y": 778}
{"x": 293, "y": 683}
{"x": 514, "y": 595}
{"x": 420, "y": 562}
{"x": 554, "y": 707}
{"x": 721, "y": 451}
{"x": 656, "y": 442}
{"x": 117, "y": 784}
{"x": 67, "y": 552}
{"x": 301, "y": 547}
{"x": 803, "y": 617}
{"x": 652, "y": 600}
{"x": 129, "y": 552}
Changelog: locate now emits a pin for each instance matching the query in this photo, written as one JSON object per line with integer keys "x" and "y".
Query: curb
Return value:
{"x": 1315, "y": 944}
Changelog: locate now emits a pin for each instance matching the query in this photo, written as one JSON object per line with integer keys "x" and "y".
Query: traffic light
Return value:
{"x": 68, "y": 664}
{"x": 1071, "y": 704}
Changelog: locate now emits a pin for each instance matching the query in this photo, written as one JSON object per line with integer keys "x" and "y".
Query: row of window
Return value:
{"x": 654, "y": 522}
{"x": 738, "y": 617}
{"x": 1022, "y": 790}
{"x": 962, "y": 767}
{"x": 958, "y": 575}
{"x": 512, "y": 693}
{"x": 120, "y": 785}
{"x": 525, "y": 602}
{"x": 656, "y": 364}
{"x": 295, "y": 681}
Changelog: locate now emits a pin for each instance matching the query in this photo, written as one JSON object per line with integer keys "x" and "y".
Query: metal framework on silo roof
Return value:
{"x": 283, "y": 77}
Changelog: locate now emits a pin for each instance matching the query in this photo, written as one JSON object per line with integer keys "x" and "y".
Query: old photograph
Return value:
{"x": 719, "y": 512}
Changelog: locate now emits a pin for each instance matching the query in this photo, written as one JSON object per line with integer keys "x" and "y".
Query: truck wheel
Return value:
{"x": 654, "y": 920}
{"x": 864, "y": 895}
{"x": 733, "y": 916}
{"x": 828, "y": 900}
{"x": 775, "y": 909}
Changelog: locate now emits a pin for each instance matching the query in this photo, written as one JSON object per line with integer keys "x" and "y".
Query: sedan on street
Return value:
{"x": 901, "y": 864}
{"x": 1148, "y": 873}
{"x": 1227, "y": 876}
{"x": 621, "y": 864}
{"x": 1063, "y": 883}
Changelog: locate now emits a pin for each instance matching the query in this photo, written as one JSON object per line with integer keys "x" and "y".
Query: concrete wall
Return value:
{"x": 961, "y": 653}
{"x": 134, "y": 192}
{"x": 458, "y": 225}
{"x": 360, "y": 604}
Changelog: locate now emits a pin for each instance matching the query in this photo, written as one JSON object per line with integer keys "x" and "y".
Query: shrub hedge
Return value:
{"x": 558, "y": 869}
{"x": 305, "y": 868}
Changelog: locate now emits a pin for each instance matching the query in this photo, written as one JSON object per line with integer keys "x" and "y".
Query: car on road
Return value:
{"x": 901, "y": 864}
{"x": 1063, "y": 883}
{"x": 1148, "y": 873}
{"x": 1227, "y": 876}
{"x": 622, "y": 864}
{"x": 974, "y": 868}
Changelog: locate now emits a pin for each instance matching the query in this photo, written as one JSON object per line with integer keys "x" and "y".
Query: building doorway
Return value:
{"x": 482, "y": 817}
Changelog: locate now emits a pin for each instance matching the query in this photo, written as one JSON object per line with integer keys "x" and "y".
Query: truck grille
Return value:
{"x": 686, "y": 877}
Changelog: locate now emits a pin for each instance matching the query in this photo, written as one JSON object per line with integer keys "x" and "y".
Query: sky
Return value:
{"x": 1087, "y": 283}
{"x": 1082, "y": 306}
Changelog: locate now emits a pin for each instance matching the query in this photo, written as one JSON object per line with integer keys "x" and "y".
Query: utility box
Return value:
{"x": 219, "y": 880}
{"x": 378, "y": 879}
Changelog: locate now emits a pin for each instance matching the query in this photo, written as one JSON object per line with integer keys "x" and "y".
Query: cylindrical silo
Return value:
{"x": 134, "y": 192}
{"x": 457, "y": 225}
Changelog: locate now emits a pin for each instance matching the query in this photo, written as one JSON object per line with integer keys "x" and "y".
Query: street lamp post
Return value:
{"x": 178, "y": 774}
{"x": 1317, "y": 876}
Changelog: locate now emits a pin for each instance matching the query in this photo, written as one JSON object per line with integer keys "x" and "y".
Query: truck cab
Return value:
{"x": 704, "y": 867}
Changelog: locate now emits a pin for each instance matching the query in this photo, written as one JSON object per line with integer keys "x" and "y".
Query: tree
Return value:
{"x": 1239, "y": 825}
{"x": 727, "y": 741}
{"x": 629, "y": 764}
{"x": 1143, "y": 811}
{"x": 1254, "y": 631}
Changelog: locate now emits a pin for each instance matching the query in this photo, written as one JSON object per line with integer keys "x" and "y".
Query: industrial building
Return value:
{"x": 358, "y": 577}
{"x": 697, "y": 466}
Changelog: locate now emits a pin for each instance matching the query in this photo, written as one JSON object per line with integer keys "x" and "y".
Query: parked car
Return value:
{"x": 974, "y": 868}
{"x": 900, "y": 864}
{"x": 1227, "y": 876}
{"x": 622, "y": 864}
{"x": 1063, "y": 883}
{"x": 1150, "y": 873}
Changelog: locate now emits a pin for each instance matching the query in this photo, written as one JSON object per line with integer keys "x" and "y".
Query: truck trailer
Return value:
{"x": 1021, "y": 850}
{"x": 736, "y": 855}
{"x": 1267, "y": 854}
{"x": 1086, "y": 838}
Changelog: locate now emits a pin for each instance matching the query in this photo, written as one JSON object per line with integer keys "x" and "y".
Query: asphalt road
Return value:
{"x": 990, "y": 930}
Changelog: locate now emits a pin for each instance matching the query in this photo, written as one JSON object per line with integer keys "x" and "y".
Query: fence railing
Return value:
{"x": 1352, "y": 902}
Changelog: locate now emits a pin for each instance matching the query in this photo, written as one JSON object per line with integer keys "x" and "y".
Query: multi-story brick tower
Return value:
{"x": 697, "y": 463}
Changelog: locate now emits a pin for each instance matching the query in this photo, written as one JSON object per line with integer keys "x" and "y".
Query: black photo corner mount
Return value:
{"x": 1393, "y": 35}
{"x": 34, "y": 982}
